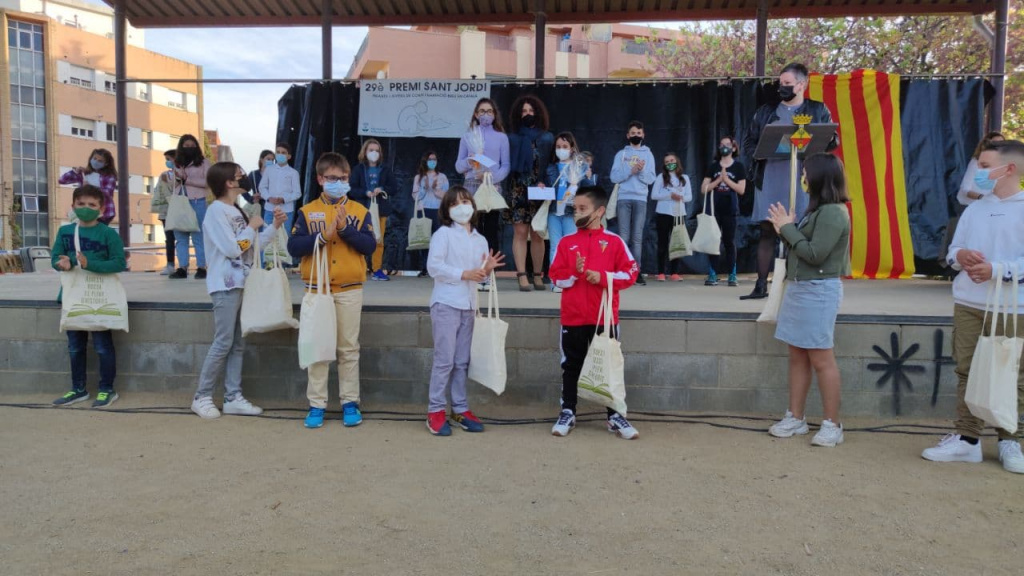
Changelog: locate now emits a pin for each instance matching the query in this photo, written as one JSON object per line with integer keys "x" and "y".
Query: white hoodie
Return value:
{"x": 994, "y": 227}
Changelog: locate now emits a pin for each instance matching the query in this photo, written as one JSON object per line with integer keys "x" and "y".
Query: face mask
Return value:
{"x": 336, "y": 190}
{"x": 431, "y": 164}
{"x": 787, "y": 93}
{"x": 486, "y": 119}
{"x": 461, "y": 213}
{"x": 86, "y": 214}
{"x": 983, "y": 181}
{"x": 583, "y": 222}
{"x": 268, "y": 163}
{"x": 373, "y": 156}
{"x": 244, "y": 183}
{"x": 636, "y": 140}
{"x": 281, "y": 158}
{"x": 97, "y": 164}
{"x": 190, "y": 152}
{"x": 169, "y": 163}
{"x": 562, "y": 153}
{"x": 671, "y": 167}
{"x": 529, "y": 120}
{"x": 725, "y": 150}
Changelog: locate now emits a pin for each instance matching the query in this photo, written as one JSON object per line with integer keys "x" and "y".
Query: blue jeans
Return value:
{"x": 103, "y": 343}
{"x": 632, "y": 217}
{"x": 558, "y": 228}
{"x": 181, "y": 238}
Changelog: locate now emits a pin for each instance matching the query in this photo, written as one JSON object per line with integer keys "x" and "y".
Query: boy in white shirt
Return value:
{"x": 280, "y": 187}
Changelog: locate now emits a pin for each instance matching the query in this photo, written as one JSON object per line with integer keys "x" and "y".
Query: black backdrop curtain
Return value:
{"x": 941, "y": 121}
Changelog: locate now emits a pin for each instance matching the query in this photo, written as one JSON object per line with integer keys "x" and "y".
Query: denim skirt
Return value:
{"x": 807, "y": 316}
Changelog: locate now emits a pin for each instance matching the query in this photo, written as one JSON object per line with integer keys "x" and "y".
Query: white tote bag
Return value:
{"x": 375, "y": 218}
{"x": 267, "y": 299}
{"x": 318, "y": 327}
{"x": 775, "y": 293}
{"x": 487, "y": 352}
{"x": 278, "y": 247}
{"x": 603, "y": 379}
{"x": 180, "y": 215}
{"x": 610, "y": 212}
{"x": 420, "y": 229}
{"x": 539, "y": 222}
{"x": 487, "y": 197}
{"x": 679, "y": 241}
{"x": 992, "y": 383}
{"x": 92, "y": 302}
{"x": 708, "y": 237}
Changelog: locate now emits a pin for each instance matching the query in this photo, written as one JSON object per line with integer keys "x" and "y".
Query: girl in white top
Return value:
{"x": 672, "y": 192}
{"x": 228, "y": 238}
{"x": 428, "y": 187}
{"x": 459, "y": 260}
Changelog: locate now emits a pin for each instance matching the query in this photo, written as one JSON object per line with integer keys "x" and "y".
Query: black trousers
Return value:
{"x": 664, "y": 223}
{"x": 489, "y": 226}
{"x": 575, "y": 341}
{"x": 168, "y": 242}
{"x": 727, "y": 222}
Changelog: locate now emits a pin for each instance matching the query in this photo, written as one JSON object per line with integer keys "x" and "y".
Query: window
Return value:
{"x": 30, "y": 204}
{"x": 27, "y": 111}
{"x": 176, "y": 99}
{"x": 149, "y": 232}
{"x": 111, "y": 132}
{"x": 147, "y": 184}
{"x": 147, "y": 139}
{"x": 110, "y": 86}
{"x": 83, "y": 127}
{"x": 80, "y": 76}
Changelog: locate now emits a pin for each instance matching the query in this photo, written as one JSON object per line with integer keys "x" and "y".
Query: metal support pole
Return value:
{"x": 761, "y": 39}
{"x": 326, "y": 11}
{"x": 540, "y": 24}
{"x": 121, "y": 98}
{"x": 995, "y": 112}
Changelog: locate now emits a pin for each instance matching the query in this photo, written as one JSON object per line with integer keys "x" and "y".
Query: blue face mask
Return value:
{"x": 281, "y": 158}
{"x": 169, "y": 163}
{"x": 431, "y": 164}
{"x": 336, "y": 190}
{"x": 268, "y": 163}
{"x": 983, "y": 182}
{"x": 97, "y": 164}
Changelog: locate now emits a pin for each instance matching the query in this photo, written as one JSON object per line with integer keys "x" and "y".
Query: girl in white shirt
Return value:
{"x": 458, "y": 261}
{"x": 228, "y": 238}
{"x": 672, "y": 191}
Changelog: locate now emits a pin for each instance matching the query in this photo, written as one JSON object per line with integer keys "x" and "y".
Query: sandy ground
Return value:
{"x": 83, "y": 492}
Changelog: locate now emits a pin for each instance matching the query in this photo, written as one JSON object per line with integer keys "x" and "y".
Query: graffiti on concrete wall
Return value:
{"x": 895, "y": 370}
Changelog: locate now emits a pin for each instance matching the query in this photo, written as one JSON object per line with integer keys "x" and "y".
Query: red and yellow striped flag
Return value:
{"x": 866, "y": 105}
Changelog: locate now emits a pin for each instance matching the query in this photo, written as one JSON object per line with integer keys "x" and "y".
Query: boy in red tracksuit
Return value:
{"x": 580, "y": 268}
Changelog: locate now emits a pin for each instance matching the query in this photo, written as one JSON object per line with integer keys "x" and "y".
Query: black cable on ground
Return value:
{"x": 648, "y": 417}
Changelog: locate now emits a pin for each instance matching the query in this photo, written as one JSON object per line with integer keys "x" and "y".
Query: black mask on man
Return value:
{"x": 787, "y": 93}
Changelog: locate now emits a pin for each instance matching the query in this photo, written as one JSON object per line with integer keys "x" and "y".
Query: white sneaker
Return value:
{"x": 829, "y": 435}
{"x": 205, "y": 408}
{"x": 952, "y": 449}
{"x": 556, "y": 289}
{"x": 242, "y": 407}
{"x": 167, "y": 270}
{"x": 618, "y": 425}
{"x": 1011, "y": 457}
{"x": 566, "y": 422}
{"x": 789, "y": 426}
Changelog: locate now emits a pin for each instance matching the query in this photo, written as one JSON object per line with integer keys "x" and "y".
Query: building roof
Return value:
{"x": 224, "y": 13}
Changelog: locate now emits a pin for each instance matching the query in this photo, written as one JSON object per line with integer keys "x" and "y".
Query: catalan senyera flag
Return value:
{"x": 866, "y": 105}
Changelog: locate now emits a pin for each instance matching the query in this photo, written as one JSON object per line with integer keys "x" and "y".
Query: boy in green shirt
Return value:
{"x": 102, "y": 253}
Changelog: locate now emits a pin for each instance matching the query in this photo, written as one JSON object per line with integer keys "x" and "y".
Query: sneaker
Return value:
{"x": 168, "y": 270}
{"x": 711, "y": 280}
{"x": 205, "y": 408}
{"x": 315, "y": 418}
{"x": 350, "y": 414}
{"x": 640, "y": 280}
{"x": 1010, "y": 456}
{"x": 179, "y": 274}
{"x": 789, "y": 426}
{"x": 104, "y": 399}
{"x": 379, "y": 276}
{"x": 618, "y": 425}
{"x": 556, "y": 289}
{"x": 437, "y": 423}
{"x": 468, "y": 421}
{"x": 423, "y": 274}
{"x": 566, "y": 422}
{"x": 241, "y": 407}
{"x": 676, "y": 278}
{"x": 72, "y": 397}
{"x": 660, "y": 277}
{"x": 200, "y": 274}
{"x": 732, "y": 280}
{"x": 952, "y": 449}
{"x": 829, "y": 435}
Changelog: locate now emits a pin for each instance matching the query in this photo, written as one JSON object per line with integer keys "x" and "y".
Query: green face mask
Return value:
{"x": 671, "y": 167}
{"x": 87, "y": 214}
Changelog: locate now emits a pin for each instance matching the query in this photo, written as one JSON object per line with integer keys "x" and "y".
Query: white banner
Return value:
{"x": 404, "y": 108}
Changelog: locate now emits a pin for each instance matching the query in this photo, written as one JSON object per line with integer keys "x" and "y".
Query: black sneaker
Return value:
{"x": 179, "y": 274}
{"x": 423, "y": 274}
{"x": 640, "y": 280}
{"x": 200, "y": 274}
{"x": 104, "y": 399}
{"x": 72, "y": 397}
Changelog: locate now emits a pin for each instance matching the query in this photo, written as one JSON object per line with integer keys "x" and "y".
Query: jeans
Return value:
{"x": 169, "y": 242}
{"x": 224, "y": 359}
{"x": 103, "y": 343}
{"x": 559, "y": 227}
{"x": 453, "y": 336}
{"x": 632, "y": 216}
{"x": 181, "y": 238}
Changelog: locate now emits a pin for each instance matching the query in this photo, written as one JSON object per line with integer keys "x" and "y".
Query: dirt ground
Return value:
{"x": 83, "y": 492}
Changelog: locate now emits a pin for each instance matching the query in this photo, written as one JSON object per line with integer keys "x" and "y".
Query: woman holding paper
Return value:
{"x": 530, "y": 152}
{"x": 567, "y": 171}
{"x": 484, "y": 148}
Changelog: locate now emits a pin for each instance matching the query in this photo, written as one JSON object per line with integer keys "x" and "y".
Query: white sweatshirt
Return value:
{"x": 663, "y": 194}
{"x": 229, "y": 241}
{"x": 995, "y": 228}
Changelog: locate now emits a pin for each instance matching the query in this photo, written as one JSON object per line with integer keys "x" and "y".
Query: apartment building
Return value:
{"x": 59, "y": 82}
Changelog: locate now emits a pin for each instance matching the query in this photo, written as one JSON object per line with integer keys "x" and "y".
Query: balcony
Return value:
{"x": 500, "y": 42}
{"x": 574, "y": 46}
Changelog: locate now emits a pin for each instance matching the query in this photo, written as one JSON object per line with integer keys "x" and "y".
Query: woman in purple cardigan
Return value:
{"x": 485, "y": 136}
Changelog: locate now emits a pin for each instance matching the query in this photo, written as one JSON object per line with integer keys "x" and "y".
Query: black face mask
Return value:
{"x": 245, "y": 183}
{"x": 787, "y": 93}
{"x": 636, "y": 140}
{"x": 725, "y": 150}
{"x": 529, "y": 120}
{"x": 583, "y": 221}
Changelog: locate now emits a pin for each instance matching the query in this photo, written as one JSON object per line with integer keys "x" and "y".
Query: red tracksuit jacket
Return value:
{"x": 604, "y": 252}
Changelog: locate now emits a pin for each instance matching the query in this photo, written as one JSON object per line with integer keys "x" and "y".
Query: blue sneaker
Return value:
{"x": 468, "y": 421}
{"x": 72, "y": 397}
{"x": 350, "y": 414}
{"x": 712, "y": 279}
{"x": 379, "y": 276}
{"x": 315, "y": 418}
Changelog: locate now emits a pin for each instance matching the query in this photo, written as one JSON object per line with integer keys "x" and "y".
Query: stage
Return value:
{"x": 687, "y": 346}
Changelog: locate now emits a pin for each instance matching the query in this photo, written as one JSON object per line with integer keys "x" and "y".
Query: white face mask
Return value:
{"x": 373, "y": 156}
{"x": 562, "y": 153}
{"x": 461, "y": 213}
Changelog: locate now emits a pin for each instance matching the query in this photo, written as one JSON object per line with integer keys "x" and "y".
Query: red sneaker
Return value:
{"x": 468, "y": 421}
{"x": 676, "y": 278}
{"x": 438, "y": 424}
{"x": 660, "y": 277}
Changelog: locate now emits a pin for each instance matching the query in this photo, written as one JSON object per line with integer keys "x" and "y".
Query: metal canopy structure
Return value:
{"x": 327, "y": 14}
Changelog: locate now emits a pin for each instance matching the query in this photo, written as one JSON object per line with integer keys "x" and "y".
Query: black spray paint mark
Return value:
{"x": 940, "y": 361}
{"x": 896, "y": 369}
